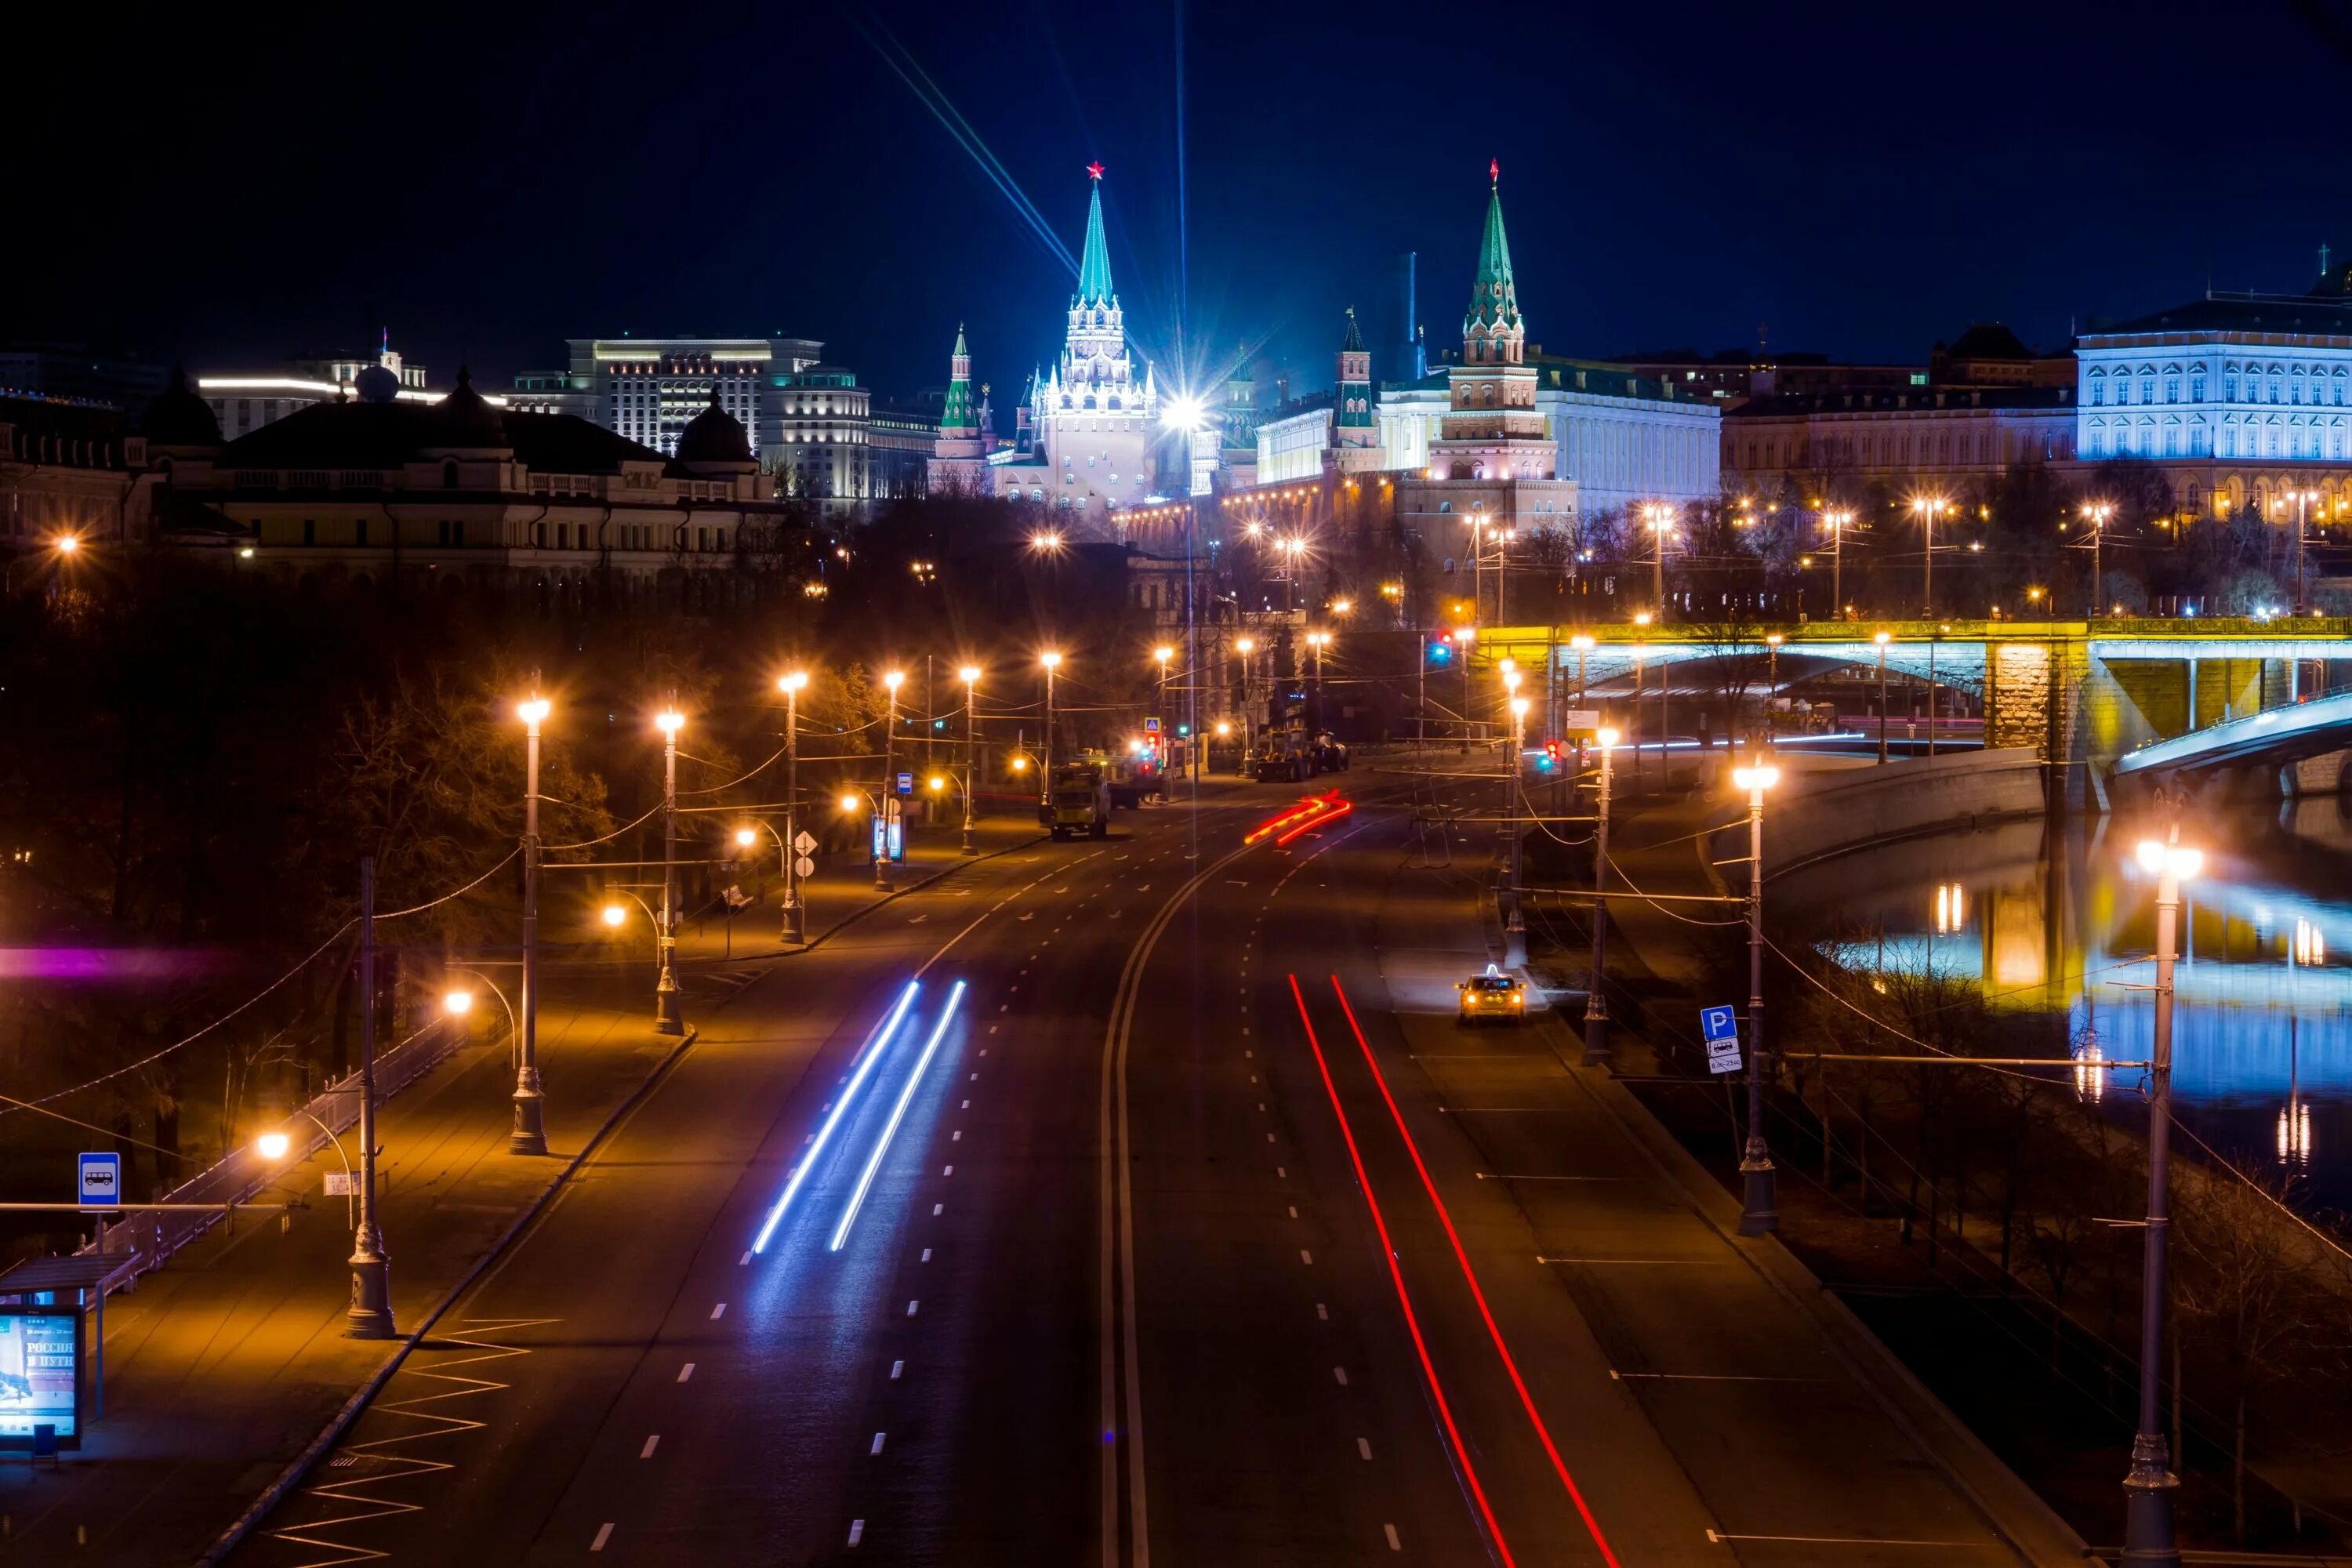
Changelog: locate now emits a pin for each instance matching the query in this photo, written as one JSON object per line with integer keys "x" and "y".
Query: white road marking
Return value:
{"x": 1249, "y": 1054}
{"x": 686, "y": 1371}
{"x": 938, "y": 1209}
{"x": 895, "y": 1368}
{"x": 926, "y": 1254}
{"x": 949, "y": 1172}
{"x": 1307, "y": 1258}
{"x": 1269, "y": 1137}
{"x": 983, "y": 1051}
{"x": 743, "y": 1260}
{"x": 1340, "y": 1372}
{"x": 647, "y": 1451}
{"x": 1294, "y": 1211}
{"x": 1322, "y": 1311}
{"x": 967, "y": 1105}
{"x": 1280, "y": 1175}
{"x": 910, "y": 1308}
{"x": 1394, "y": 1544}
{"x": 718, "y": 1311}
{"x": 1504, "y": 1176}
{"x": 877, "y": 1445}
{"x": 1004, "y": 1006}
{"x": 957, "y": 1136}
{"x": 1364, "y": 1446}
{"x": 857, "y": 1531}
{"x": 603, "y": 1534}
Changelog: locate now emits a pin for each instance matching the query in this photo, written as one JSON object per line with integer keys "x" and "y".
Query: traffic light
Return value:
{"x": 1443, "y": 648}
{"x": 1183, "y": 729}
{"x": 1551, "y": 754}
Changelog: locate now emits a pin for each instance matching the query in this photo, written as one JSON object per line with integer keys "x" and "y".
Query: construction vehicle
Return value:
{"x": 1284, "y": 757}
{"x": 1078, "y": 800}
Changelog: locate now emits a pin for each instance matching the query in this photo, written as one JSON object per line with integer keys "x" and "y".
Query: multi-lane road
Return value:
{"x": 1127, "y": 1200}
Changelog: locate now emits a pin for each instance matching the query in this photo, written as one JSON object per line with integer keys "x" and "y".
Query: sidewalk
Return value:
{"x": 222, "y": 1367}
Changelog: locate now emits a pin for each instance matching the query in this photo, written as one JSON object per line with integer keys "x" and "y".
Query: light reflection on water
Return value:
{"x": 2062, "y": 926}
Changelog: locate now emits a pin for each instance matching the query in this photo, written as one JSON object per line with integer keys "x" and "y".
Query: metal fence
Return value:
{"x": 145, "y": 1241}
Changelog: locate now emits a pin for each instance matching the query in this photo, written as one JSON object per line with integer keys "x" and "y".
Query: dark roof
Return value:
{"x": 179, "y": 418}
{"x": 1988, "y": 339}
{"x": 466, "y": 418}
{"x": 2302, "y": 314}
{"x": 713, "y": 436}
{"x": 388, "y": 434}
{"x": 1915, "y": 400}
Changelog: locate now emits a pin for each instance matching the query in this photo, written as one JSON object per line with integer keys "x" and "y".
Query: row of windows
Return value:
{"x": 2313, "y": 385}
{"x": 2135, "y": 441}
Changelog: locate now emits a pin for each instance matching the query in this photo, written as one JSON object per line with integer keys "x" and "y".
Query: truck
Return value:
{"x": 1283, "y": 756}
{"x": 1080, "y": 800}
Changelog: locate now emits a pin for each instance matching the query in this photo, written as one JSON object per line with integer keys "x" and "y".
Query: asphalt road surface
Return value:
{"x": 1123, "y": 1200}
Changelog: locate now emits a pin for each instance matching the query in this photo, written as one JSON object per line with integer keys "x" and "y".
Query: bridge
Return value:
{"x": 2087, "y": 695}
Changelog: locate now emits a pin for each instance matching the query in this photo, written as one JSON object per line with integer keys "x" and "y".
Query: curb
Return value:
{"x": 302, "y": 1463}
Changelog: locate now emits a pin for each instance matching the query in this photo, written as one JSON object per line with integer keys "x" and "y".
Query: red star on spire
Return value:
{"x": 1095, "y": 169}
{"x": 1494, "y": 170}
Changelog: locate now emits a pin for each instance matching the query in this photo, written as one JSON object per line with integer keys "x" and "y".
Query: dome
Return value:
{"x": 2335, "y": 283}
{"x": 180, "y": 418}
{"x": 714, "y": 437}
{"x": 376, "y": 385}
{"x": 465, "y": 418}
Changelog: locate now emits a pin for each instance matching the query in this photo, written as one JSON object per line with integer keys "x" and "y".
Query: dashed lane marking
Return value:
{"x": 647, "y": 1451}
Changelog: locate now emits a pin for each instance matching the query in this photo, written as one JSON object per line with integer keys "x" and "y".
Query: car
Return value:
{"x": 1493, "y": 995}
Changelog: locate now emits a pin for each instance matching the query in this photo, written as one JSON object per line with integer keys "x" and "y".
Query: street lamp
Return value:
{"x": 2302, "y": 499}
{"x": 529, "y": 1134}
{"x": 2097, "y": 513}
{"x": 1759, "y": 1212}
{"x": 891, "y": 681}
{"x": 970, "y": 675}
{"x": 1316, "y": 643}
{"x": 1515, "y": 926}
{"x": 1772, "y": 641}
{"x": 1927, "y": 508}
{"x": 791, "y": 686}
{"x": 2150, "y": 1486}
{"x": 1660, "y": 518}
{"x": 1882, "y": 639}
{"x": 1245, "y": 646}
{"x": 668, "y": 1014}
{"x": 1836, "y": 518}
{"x": 1462, "y": 638}
{"x": 1596, "y": 1005}
{"x": 1052, "y": 659}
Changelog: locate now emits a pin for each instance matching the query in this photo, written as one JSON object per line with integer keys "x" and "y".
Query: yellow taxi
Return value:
{"x": 1493, "y": 995}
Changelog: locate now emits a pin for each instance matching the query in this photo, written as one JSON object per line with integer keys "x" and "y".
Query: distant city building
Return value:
{"x": 1731, "y": 376}
{"x": 1335, "y": 431}
{"x": 819, "y": 435}
{"x": 1990, "y": 355}
{"x": 1945, "y": 433}
{"x": 650, "y": 389}
{"x": 75, "y": 371}
{"x": 1093, "y": 420}
{"x": 2245, "y": 399}
{"x": 245, "y": 400}
{"x": 462, "y": 495}
{"x": 899, "y": 439}
{"x": 65, "y": 468}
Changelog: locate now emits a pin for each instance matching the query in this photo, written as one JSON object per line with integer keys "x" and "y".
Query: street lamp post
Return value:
{"x": 1882, "y": 639}
{"x": 2303, "y": 498}
{"x": 2150, "y": 1486}
{"x": 1660, "y": 518}
{"x": 530, "y": 1134}
{"x": 1596, "y": 1003}
{"x": 370, "y": 1317}
{"x": 1927, "y": 507}
{"x": 2098, "y": 512}
{"x": 889, "y": 796}
{"x": 668, "y": 1012}
{"x": 1772, "y": 641}
{"x": 970, "y": 674}
{"x": 1758, "y": 1213}
{"x": 1462, "y": 638}
{"x": 1160, "y": 655}
{"x": 1837, "y": 518}
{"x": 794, "y": 914}
{"x": 1052, "y": 659}
{"x": 1514, "y": 925}
{"x": 1245, "y": 646}
{"x": 1316, "y": 642}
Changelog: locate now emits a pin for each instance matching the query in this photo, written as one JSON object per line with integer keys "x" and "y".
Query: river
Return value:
{"x": 2062, "y": 924}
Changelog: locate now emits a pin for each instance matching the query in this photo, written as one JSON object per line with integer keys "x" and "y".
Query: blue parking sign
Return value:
{"x": 1719, "y": 1028}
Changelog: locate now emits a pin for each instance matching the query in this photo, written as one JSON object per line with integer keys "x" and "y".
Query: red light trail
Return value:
{"x": 1310, "y": 813}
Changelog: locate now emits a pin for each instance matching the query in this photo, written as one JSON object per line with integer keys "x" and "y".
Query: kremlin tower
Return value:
{"x": 960, "y": 457}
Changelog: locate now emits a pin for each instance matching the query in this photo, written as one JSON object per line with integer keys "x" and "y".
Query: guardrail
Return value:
{"x": 146, "y": 1241}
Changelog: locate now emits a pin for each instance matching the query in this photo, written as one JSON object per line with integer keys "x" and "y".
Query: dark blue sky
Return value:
{"x": 1862, "y": 178}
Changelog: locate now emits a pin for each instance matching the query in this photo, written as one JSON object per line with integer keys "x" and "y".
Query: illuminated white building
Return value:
{"x": 244, "y": 402}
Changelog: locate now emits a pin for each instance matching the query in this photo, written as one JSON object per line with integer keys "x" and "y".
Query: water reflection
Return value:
{"x": 2062, "y": 926}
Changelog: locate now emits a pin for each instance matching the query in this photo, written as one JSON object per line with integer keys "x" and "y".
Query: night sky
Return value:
{"x": 486, "y": 180}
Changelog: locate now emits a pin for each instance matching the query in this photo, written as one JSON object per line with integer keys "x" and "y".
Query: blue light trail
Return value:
{"x": 873, "y": 1054}
{"x": 897, "y": 1111}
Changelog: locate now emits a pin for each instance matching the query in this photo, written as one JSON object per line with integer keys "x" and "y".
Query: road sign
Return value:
{"x": 1580, "y": 718}
{"x": 1719, "y": 1026}
{"x": 343, "y": 1185}
{"x": 803, "y": 844}
{"x": 804, "y": 867}
{"x": 1152, "y": 726}
{"x": 98, "y": 1179}
{"x": 906, "y": 783}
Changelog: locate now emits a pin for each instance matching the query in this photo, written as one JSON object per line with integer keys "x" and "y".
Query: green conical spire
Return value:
{"x": 1094, "y": 260}
{"x": 1355, "y": 344}
{"x": 1495, "y": 300}
{"x": 958, "y": 413}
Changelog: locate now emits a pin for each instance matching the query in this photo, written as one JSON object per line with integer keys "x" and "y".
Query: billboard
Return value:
{"x": 39, "y": 1383}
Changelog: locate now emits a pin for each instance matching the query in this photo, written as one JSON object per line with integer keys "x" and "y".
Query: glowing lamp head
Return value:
{"x": 1224, "y": 728}
{"x": 1163, "y": 653}
{"x": 1642, "y": 619}
{"x": 2174, "y": 859}
{"x": 458, "y": 1004}
{"x": 1604, "y": 737}
{"x": 1773, "y": 639}
{"x": 614, "y": 915}
{"x": 669, "y": 720}
{"x": 1757, "y": 778}
{"x": 1245, "y": 644}
{"x": 534, "y": 711}
{"x": 847, "y": 803}
{"x": 1341, "y": 606}
{"x": 1050, "y": 659}
{"x": 1580, "y": 642}
{"x": 272, "y": 1146}
{"x": 937, "y": 784}
{"x": 1882, "y": 639}
{"x": 1511, "y": 680}
{"x": 795, "y": 681}
{"x": 746, "y": 838}
{"x": 970, "y": 674}
{"x": 892, "y": 679}
{"x": 1020, "y": 765}
{"x": 1519, "y": 705}
{"x": 1465, "y": 634}
{"x": 69, "y": 542}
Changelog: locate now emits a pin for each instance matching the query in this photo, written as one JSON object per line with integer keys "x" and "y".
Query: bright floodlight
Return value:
{"x": 1762, "y": 776}
{"x": 614, "y": 915}
{"x": 2176, "y": 858}
{"x": 1605, "y": 737}
{"x": 893, "y": 679}
{"x": 847, "y": 803}
{"x": 669, "y": 720}
{"x": 937, "y": 783}
{"x": 532, "y": 712}
{"x": 746, "y": 838}
{"x": 1050, "y": 659}
{"x": 1185, "y": 412}
{"x": 970, "y": 674}
{"x": 459, "y": 1002}
{"x": 272, "y": 1145}
{"x": 1046, "y": 540}
{"x": 793, "y": 682}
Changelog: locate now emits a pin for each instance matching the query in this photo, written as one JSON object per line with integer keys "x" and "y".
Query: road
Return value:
{"x": 1145, "y": 1252}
